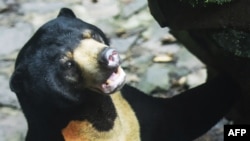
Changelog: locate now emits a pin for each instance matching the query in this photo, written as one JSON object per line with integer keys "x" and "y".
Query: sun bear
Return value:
{"x": 71, "y": 87}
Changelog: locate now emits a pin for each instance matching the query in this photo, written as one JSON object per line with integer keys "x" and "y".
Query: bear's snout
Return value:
{"x": 109, "y": 58}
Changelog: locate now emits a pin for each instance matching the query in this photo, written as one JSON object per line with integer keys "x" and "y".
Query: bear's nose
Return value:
{"x": 109, "y": 58}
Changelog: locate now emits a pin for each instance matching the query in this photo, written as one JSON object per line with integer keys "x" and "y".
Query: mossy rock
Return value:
{"x": 234, "y": 41}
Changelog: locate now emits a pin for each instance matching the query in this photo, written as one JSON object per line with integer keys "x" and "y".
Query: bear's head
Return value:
{"x": 65, "y": 59}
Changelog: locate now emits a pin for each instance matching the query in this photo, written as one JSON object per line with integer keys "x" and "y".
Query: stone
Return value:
{"x": 154, "y": 32}
{"x": 40, "y": 7}
{"x": 168, "y": 38}
{"x": 3, "y": 6}
{"x": 7, "y": 98}
{"x": 13, "y": 38}
{"x": 82, "y": 13}
{"x": 196, "y": 78}
{"x": 163, "y": 58}
{"x": 139, "y": 60}
{"x": 108, "y": 27}
{"x": 123, "y": 44}
{"x": 13, "y": 125}
{"x": 99, "y": 9}
{"x": 37, "y": 19}
{"x": 188, "y": 60}
{"x": 7, "y": 68}
{"x": 132, "y": 7}
{"x": 156, "y": 77}
{"x": 138, "y": 20}
{"x": 130, "y": 78}
{"x": 9, "y": 57}
{"x": 153, "y": 39}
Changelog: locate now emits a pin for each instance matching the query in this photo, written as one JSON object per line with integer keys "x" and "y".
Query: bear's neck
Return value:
{"x": 104, "y": 118}
{"x": 97, "y": 109}
{"x": 114, "y": 122}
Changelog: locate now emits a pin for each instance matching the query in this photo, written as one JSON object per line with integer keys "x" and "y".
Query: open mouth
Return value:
{"x": 114, "y": 82}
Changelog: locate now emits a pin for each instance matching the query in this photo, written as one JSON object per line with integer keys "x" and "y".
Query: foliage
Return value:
{"x": 205, "y": 2}
{"x": 234, "y": 41}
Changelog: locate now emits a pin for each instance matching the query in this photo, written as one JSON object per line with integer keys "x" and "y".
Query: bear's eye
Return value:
{"x": 69, "y": 64}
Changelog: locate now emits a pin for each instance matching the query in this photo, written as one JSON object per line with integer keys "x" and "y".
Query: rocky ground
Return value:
{"x": 154, "y": 60}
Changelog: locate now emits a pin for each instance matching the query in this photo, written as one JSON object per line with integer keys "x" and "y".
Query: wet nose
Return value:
{"x": 109, "y": 58}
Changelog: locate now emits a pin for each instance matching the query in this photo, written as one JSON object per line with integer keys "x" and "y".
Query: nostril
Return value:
{"x": 109, "y": 58}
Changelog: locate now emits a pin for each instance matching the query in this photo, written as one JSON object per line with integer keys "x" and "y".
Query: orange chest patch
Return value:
{"x": 72, "y": 132}
{"x": 126, "y": 127}
{"x": 84, "y": 131}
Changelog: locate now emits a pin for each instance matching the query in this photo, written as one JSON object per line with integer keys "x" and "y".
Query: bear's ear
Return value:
{"x": 16, "y": 80}
{"x": 66, "y": 12}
